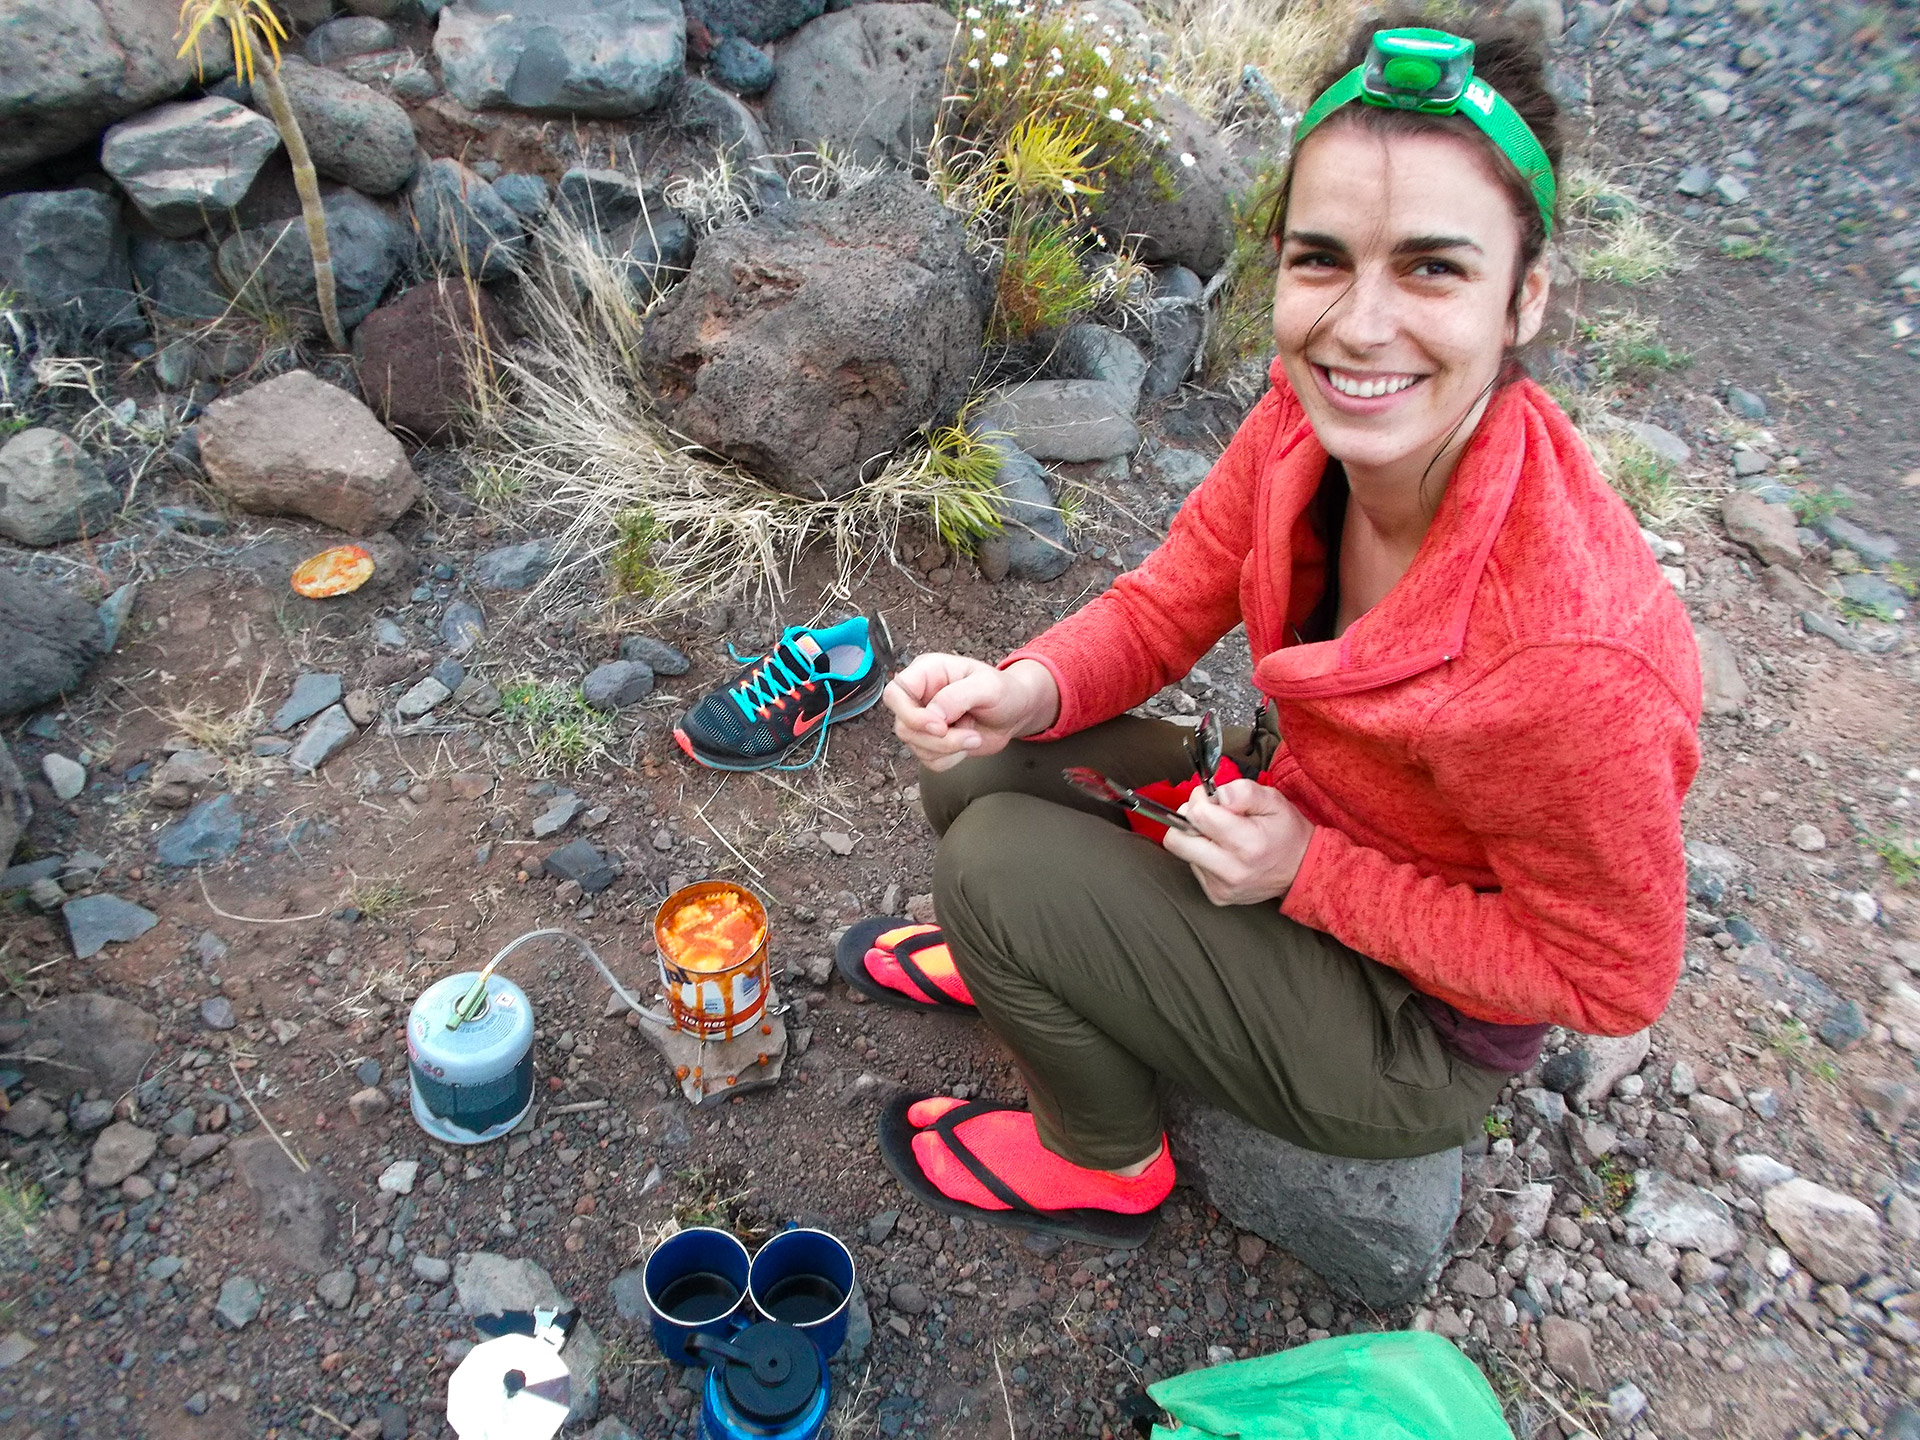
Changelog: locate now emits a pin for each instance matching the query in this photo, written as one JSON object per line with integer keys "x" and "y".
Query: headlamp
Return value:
{"x": 1432, "y": 72}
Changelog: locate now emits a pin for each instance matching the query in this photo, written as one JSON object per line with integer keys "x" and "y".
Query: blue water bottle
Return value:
{"x": 766, "y": 1383}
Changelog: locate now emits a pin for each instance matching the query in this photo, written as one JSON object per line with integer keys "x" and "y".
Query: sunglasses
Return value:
{"x": 1092, "y": 782}
{"x": 1205, "y": 747}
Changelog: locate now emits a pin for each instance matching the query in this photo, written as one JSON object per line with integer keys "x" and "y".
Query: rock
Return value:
{"x": 1092, "y": 352}
{"x": 120, "y": 1150}
{"x": 335, "y": 1289}
{"x": 1664, "y": 443}
{"x": 398, "y": 1178}
{"x": 1767, "y": 530}
{"x": 488, "y": 1284}
{"x": 1888, "y": 1104}
{"x": 295, "y": 1208}
{"x": 1587, "y": 1074}
{"x": 1746, "y": 404}
{"x": 209, "y": 831}
{"x": 605, "y": 58}
{"x": 100, "y": 1043}
{"x": 755, "y": 20}
{"x": 185, "y": 165}
{"x": 1175, "y": 328}
{"x": 528, "y": 196}
{"x": 1470, "y": 1278}
{"x": 1835, "y": 1236}
{"x": 1874, "y": 592}
{"x": 417, "y": 356}
{"x": 1806, "y": 837}
{"x": 63, "y": 254}
{"x": 837, "y": 842}
{"x": 598, "y": 201}
{"x": 296, "y": 445}
{"x": 515, "y": 567}
{"x": 630, "y": 1294}
{"x": 96, "y": 921}
{"x": 178, "y": 278}
{"x": 656, "y": 655}
{"x": 1900, "y": 1013}
{"x": 617, "y": 684}
{"x": 1716, "y": 1120}
{"x": 368, "y": 1104}
{"x": 908, "y": 1299}
{"x": 581, "y": 863}
{"x": 91, "y": 1116}
{"x": 1724, "y": 686}
{"x": 809, "y": 342}
{"x": 347, "y": 36}
{"x": 431, "y": 1269}
{"x": 1872, "y": 548}
{"x": 1681, "y": 1215}
{"x": 330, "y": 730}
{"x": 1072, "y": 420}
{"x": 270, "y": 267}
{"x": 217, "y": 1013}
{"x": 1732, "y": 190}
{"x": 1376, "y": 1230}
{"x": 312, "y": 692}
{"x": 464, "y": 228}
{"x": 356, "y": 135}
{"x": 240, "y": 1301}
{"x": 1036, "y": 540}
{"x": 1842, "y": 1025}
{"x": 1569, "y": 1347}
{"x": 66, "y": 777}
{"x": 421, "y": 698}
{"x": 49, "y": 636}
{"x": 1528, "y": 1210}
{"x": 865, "y": 82}
{"x": 1695, "y": 182}
{"x": 1172, "y": 212}
{"x": 743, "y": 68}
{"x": 654, "y": 252}
{"x": 462, "y": 627}
{"x": 1760, "y": 1172}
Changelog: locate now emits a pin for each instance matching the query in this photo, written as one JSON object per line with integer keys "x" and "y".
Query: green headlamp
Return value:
{"x": 1432, "y": 71}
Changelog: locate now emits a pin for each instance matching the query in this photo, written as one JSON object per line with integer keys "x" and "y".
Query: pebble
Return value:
{"x": 1807, "y": 837}
{"x": 217, "y": 1013}
{"x": 397, "y": 1178}
{"x": 838, "y": 843}
{"x": 617, "y": 684}
{"x": 1683, "y": 1216}
{"x": 335, "y": 1289}
{"x": 368, "y": 1105}
{"x": 1695, "y": 181}
{"x": 1761, "y": 1172}
{"x": 656, "y": 655}
{"x": 462, "y": 627}
{"x": 322, "y": 739}
{"x": 908, "y": 1299}
{"x": 211, "y": 830}
{"x": 240, "y": 1301}
{"x": 1835, "y": 1236}
{"x": 67, "y": 777}
{"x": 420, "y": 700}
{"x": 1626, "y": 1402}
{"x": 1569, "y": 1348}
{"x": 432, "y": 1269}
{"x": 367, "y": 1072}
{"x": 1746, "y": 404}
{"x": 311, "y": 693}
{"x": 96, "y": 921}
{"x": 557, "y": 816}
{"x": 1732, "y": 190}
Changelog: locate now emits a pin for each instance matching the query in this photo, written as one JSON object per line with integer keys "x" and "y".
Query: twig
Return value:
{"x": 1526, "y": 1379}
{"x": 254, "y": 919}
{"x": 758, "y": 874}
{"x": 29, "y": 1056}
{"x": 578, "y": 1108}
{"x": 278, "y": 1138}
{"x": 1005, "y": 1398}
{"x": 329, "y": 1415}
{"x": 811, "y": 800}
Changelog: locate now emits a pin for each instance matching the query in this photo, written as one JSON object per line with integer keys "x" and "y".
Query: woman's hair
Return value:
{"x": 1510, "y": 57}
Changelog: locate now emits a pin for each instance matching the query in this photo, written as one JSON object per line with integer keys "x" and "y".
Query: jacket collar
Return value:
{"x": 1422, "y": 621}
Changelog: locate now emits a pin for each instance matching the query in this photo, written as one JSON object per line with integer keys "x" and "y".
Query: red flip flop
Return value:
{"x": 920, "y": 952}
{"x": 999, "y": 1160}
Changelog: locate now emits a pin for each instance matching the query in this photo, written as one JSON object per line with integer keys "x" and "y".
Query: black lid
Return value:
{"x": 777, "y": 1376}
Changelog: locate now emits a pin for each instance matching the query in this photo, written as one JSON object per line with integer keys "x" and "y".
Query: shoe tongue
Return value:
{"x": 804, "y": 656}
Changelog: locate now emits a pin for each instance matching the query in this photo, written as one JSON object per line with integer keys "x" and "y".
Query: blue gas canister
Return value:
{"x": 472, "y": 1080}
{"x": 766, "y": 1383}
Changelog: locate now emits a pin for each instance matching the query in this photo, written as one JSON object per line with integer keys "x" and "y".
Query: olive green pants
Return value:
{"x": 1096, "y": 957}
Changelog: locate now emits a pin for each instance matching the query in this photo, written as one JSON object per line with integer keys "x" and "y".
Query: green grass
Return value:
{"x": 630, "y": 561}
{"x": 21, "y": 1202}
{"x": 1853, "y": 609}
{"x": 965, "y": 470}
{"x": 1625, "y": 343}
{"x": 1811, "y": 507}
{"x": 1628, "y": 251}
{"x": 559, "y": 731}
{"x": 1616, "y": 1183}
{"x": 1901, "y": 854}
{"x": 380, "y": 898}
{"x": 1043, "y": 282}
{"x": 1645, "y": 481}
{"x": 1752, "y": 247}
{"x": 1791, "y": 1041}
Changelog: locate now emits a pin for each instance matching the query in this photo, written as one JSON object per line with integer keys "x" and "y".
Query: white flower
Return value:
{"x": 978, "y": 33}
{"x": 998, "y": 60}
{"x": 1116, "y": 113}
{"x": 973, "y": 12}
{"x": 973, "y": 64}
{"x": 1186, "y": 159}
{"x": 1054, "y": 54}
{"x": 1069, "y": 186}
{"x": 1099, "y": 92}
{"x": 1103, "y": 52}
{"x": 1056, "y": 72}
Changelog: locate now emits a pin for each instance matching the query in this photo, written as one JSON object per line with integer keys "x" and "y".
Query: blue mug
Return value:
{"x": 805, "y": 1278}
{"x": 696, "y": 1284}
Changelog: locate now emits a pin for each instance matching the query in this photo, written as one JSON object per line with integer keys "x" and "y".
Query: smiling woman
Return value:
{"x": 1463, "y": 824}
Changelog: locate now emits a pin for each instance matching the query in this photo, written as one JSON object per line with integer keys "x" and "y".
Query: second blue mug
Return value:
{"x": 805, "y": 1278}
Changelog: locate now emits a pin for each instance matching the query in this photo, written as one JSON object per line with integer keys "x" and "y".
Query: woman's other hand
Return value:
{"x": 947, "y": 707}
{"x": 1250, "y": 845}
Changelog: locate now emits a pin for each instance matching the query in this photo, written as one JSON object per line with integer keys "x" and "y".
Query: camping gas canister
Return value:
{"x": 473, "y": 1081}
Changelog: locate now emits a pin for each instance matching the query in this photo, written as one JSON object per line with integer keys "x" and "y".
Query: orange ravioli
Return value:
{"x": 713, "y": 933}
{"x": 339, "y": 571}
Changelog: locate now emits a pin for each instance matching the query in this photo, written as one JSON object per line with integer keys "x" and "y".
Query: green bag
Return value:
{"x": 1401, "y": 1385}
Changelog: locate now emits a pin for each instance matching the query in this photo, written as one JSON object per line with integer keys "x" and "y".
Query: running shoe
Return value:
{"x": 785, "y": 700}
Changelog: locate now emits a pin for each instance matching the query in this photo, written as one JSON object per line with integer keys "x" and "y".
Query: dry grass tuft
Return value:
{"x": 1653, "y": 490}
{"x": 1288, "y": 41}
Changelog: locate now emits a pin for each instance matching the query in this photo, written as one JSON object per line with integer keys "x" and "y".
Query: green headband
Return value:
{"x": 1432, "y": 72}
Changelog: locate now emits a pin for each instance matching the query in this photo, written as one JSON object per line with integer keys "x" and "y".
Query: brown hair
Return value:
{"x": 1509, "y": 56}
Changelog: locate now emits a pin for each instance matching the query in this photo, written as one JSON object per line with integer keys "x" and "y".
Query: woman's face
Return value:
{"x": 1393, "y": 308}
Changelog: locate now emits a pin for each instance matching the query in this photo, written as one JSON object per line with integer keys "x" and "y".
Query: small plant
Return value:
{"x": 560, "y": 730}
{"x": 1626, "y": 342}
{"x": 1852, "y": 609}
{"x": 630, "y": 562}
{"x": 1629, "y": 252}
{"x": 1616, "y": 1183}
{"x": 1752, "y": 247}
{"x": 966, "y": 466}
{"x": 1793, "y": 1044}
{"x": 379, "y": 898}
{"x": 1042, "y": 285}
{"x": 1810, "y": 507}
{"x": 1071, "y": 502}
{"x": 1644, "y": 480}
{"x": 1903, "y": 579}
{"x": 1901, "y": 854}
{"x": 1498, "y": 1127}
{"x": 21, "y": 1202}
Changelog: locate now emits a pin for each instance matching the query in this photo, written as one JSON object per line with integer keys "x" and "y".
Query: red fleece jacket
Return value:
{"x": 1494, "y": 755}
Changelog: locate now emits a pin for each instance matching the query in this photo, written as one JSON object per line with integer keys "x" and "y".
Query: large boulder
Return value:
{"x": 179, "y": 162}
{"x": 1174, "y": 212}
{"x": 866, "y": 81}
{"x": 51, "y": 490}
{"x": 272, "y": 265}
{"x": 16, "y": 806}
{"x": 813, "y": 340}
{"x": 356, "y": 135}
{"x": 49, "y": 636}
{"x": 178, "y": 278}
{"x": 63, "y": 253}
{"x": 416, "y": 356}
{"x": 1373, "y": 1229}
{"x": 69, "y": 68}
{"x": 299, "y": 446}
{"x": 604, "y": 58}
{"x": 464, "y": 227}
{"x": 756, "y": 20}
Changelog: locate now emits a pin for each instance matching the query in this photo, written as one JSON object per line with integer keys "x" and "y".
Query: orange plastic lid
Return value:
{"x": 339, "y": 571}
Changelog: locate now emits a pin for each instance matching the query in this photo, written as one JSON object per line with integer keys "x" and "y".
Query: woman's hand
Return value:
{"x": 1250, "y": 845}
{"x": 947, "y": 707}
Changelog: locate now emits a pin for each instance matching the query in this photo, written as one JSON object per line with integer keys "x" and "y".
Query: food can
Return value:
{"x": 713, "y": 1004}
